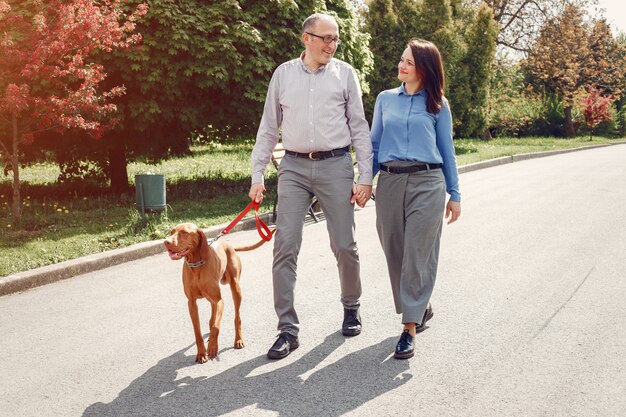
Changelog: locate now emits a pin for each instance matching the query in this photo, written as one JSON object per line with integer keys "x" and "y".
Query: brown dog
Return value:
{"x": 206, "y": 266}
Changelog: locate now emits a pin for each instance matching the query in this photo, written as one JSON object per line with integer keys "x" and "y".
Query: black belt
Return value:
{"x": 318, "y": 156}
{"x": 408, "y": 169}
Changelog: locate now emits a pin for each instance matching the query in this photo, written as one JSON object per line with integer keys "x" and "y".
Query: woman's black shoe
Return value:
{"x": 404, "y": 348}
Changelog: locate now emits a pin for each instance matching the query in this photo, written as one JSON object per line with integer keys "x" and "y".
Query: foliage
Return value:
{"x": 571, "y": 56}
{"x": 596, "y": 109}
{"x": 453, "y": 27}
{"x": 387, "y": 20}
{"x": 354, "y": 42}
{"x": 48, "y": 79}
{"x": 204, "y": 68}
{"x": 471, "y": 104}
{"x": 605, "y": 67}
{"x": 513, "y": 109}
{"x": 556, "y": 62}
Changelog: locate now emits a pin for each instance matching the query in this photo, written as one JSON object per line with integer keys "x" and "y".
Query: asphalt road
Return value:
{"x": 529, "y": 319}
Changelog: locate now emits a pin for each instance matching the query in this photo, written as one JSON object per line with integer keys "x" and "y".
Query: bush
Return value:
{"x": 513, "y": 110}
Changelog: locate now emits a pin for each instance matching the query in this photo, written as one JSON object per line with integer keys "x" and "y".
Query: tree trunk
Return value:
{"x": 16, "y": 206}
{"x": 118, "y": 173}
{"x": 486, "y": 135}
{"x": 570, "y": 132}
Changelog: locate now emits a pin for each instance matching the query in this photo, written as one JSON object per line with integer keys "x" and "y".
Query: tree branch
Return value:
{"x": 5, "y": 148}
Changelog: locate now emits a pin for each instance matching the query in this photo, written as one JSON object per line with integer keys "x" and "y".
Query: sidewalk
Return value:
{"x": 48, "y": 274}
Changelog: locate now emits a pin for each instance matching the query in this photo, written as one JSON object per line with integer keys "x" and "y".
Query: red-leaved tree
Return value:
{"x": 47, "y": 78}
{"x": 596, "y": 109}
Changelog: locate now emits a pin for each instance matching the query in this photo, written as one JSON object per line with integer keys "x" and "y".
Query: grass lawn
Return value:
{"x": 208, "y": 187}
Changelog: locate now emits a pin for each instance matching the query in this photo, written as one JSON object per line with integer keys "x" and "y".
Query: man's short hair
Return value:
{"x": 310, "y": 22}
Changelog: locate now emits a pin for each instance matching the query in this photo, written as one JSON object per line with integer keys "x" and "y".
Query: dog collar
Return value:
{"x": 196, "y": 264}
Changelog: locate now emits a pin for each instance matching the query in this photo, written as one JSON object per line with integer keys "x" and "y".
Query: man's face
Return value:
{"x": 316, "y": 50}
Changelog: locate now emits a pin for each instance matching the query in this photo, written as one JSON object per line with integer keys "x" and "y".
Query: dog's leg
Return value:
{"x": 217, "y": 308}
{"x": 235, "y": 290}
{"x": 201, "y": 356}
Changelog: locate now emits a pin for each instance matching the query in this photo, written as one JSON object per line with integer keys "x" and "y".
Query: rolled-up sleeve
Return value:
{"x": 268, "y": 134}
{"x": 359, "y": 129}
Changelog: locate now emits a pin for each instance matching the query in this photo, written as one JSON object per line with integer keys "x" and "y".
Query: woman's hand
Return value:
{"x": 361, "y": 194}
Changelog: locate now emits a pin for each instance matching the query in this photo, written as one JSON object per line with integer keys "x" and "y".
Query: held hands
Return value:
{"x": 256, "y": 192}
{"x": 360, "y": 194}
{"x": 453, "y": 211}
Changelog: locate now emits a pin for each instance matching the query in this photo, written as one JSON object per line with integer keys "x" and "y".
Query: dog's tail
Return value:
{"x": 256, "y": 245}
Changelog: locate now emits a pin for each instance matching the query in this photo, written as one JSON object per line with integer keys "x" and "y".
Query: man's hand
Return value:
{"x": 453, "y": 210}
{"x": 360, "y": 194}
{"x": 256, "y": 192}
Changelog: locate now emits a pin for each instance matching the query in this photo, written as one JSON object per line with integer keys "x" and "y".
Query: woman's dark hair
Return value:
{"x": 430, "y": 70}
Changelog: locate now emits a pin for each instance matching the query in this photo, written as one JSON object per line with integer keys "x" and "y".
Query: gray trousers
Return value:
{"x": 409, "y": 216}
{"x": 331, "y": 181}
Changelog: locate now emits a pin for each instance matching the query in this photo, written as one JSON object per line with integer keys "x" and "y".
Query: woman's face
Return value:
{"x": 406, "y": 68}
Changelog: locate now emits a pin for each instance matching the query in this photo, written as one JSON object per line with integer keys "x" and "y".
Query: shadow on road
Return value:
{"x": 330, "y": 391}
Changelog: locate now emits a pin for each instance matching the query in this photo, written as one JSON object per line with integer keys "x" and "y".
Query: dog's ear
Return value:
{"x": 203, "y": 245}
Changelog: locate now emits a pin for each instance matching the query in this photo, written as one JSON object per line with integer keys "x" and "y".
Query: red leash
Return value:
{"x": 261, "y": 227}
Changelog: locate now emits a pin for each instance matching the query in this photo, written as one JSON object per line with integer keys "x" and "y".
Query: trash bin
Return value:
{"x": 150, "y": 192}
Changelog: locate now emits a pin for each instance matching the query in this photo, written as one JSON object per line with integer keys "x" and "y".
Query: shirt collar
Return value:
{"x": 402, "y": 90}
{"x": 307, "y": 69}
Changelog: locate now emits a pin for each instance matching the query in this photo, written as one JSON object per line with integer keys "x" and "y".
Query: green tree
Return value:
{"x": 477, "y": 65}
{"x": 384, "y": 24}
{"x": 206, "y": 65}
{"x": 465, "y": 37}
{"x": 183, "y": 72}
{"x": 512, "y": 110}
{"x": 354, "y": 47}
{"x": 605, "y": 66}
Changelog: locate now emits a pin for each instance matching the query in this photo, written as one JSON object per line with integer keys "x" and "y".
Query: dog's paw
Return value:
{"x": 212, "y": 349}
{"x": 202, "y": 357}
{"x": 239, "y": 344}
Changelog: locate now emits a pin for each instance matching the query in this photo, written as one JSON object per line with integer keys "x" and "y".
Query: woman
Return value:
{"x": 414, "y": 151}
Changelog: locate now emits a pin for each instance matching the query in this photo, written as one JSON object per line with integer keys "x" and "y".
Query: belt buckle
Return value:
{"x": 311, "y": 157}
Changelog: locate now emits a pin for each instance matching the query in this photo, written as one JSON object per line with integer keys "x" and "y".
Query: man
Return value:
{"x": 315, "y": 101}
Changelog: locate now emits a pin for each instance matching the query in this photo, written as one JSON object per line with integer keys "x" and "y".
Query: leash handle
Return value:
{"x": 261, "y": 227}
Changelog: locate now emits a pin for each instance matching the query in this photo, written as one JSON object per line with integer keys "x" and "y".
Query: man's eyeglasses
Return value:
{"x": 326, "y": 39}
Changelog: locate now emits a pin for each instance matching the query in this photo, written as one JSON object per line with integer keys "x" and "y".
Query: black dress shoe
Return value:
{"x": 351, "y": 322}
{"x": 283, "y": 346}
{"x": 428, "y": 314}
{"x": 404, "y": 348}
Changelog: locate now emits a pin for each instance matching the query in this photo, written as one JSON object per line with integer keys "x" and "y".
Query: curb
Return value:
{"x": 22, "y": 281}
{"x": 524, "y": 156}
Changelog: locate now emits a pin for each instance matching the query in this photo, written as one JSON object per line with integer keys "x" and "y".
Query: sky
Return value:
{"x": 615, "y": 13}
